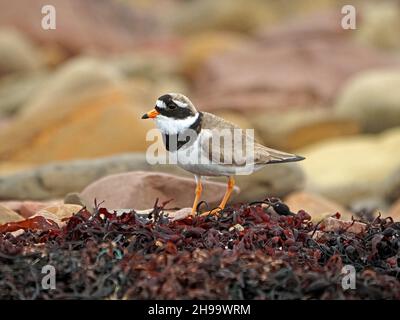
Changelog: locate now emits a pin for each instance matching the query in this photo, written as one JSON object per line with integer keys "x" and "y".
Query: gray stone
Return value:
{"x": 58, "y": 179}
{"x": 351, "y": 169}
{"x": 380, "y": 24}
{"x": 17, "y": 53}
{"x": 373, "y": 99}
{"x": 8, "y": 215}
{"x": 15, "y": 91}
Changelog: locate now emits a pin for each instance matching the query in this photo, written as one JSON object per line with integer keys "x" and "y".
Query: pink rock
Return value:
{"x": 12, "y": 205}
{"x": 83, "y": 25}
{"x": 316, "y": 205}
{"x": 140, "y": 189}
{"x": 300, "y": 64}
{"x": 332, "y": 224}
{"x": 28, "y": 208}
{"x": 4, "y": 123}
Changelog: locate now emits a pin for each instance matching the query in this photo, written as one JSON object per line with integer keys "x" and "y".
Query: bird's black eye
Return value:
{"x": 171, "y": 106}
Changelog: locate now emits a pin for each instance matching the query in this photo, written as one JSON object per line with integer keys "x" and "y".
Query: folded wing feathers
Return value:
{"x": 267, "y": 155}
{"x": 262, "y": 154}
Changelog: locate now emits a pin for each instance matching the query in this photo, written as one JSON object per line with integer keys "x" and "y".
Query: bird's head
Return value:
{"x": 173, "y": 113}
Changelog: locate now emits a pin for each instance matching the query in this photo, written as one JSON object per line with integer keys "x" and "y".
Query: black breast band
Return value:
{"x": 174, "y": 142}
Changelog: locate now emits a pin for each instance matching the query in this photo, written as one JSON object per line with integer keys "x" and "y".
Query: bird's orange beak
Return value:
{"x": 151, "y": 114}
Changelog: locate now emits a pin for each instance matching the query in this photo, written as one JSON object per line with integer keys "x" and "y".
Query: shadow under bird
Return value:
{"x": 189, "y": 133}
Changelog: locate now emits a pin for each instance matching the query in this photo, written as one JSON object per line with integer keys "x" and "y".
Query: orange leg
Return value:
{"x": 229, "y": 189}
{"x": 199, "y": 189}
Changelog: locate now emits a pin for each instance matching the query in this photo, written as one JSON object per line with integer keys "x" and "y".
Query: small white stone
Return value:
{"x": 180, "y": 214}
{"x": 237, "y": 227}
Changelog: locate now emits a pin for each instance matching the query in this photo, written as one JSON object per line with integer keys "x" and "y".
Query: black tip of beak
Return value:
{"x": 145, "y": 116}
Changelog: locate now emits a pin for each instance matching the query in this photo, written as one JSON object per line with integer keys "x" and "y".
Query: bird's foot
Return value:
{"x": 189, "y": 213}
{"x": 213, "y": 212}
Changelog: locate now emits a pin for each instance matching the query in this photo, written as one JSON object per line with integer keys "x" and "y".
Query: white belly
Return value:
{"x": 194, "y": 159}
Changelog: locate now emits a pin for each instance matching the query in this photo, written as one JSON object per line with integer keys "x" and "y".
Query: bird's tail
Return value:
{"x": 291, "y": 158}
{"x": 277, "y": 156}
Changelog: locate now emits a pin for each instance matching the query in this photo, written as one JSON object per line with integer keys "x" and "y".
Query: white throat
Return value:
{"x": 174, "y": 126}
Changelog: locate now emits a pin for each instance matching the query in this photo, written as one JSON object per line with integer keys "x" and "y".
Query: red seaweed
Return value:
{"x": 245, "y": 253}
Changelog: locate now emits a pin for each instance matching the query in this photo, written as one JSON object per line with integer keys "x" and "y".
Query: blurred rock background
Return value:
{"x": 71, "y": 98}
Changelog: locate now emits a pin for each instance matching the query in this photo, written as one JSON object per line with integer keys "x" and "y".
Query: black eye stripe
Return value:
{"x": 176, "y": 113}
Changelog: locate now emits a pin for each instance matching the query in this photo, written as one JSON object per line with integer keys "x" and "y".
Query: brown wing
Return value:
{"x": 211, "y": 121}
{"x": 267, "y": 155}
{"x": 237, "y": 148}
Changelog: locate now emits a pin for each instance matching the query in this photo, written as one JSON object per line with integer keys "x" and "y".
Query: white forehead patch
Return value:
{"x": 180, "y": 104}
{"x": 161, "y": 104}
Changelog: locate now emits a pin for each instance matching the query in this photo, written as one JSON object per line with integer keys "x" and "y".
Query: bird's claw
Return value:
{"x": 215, "y": 212}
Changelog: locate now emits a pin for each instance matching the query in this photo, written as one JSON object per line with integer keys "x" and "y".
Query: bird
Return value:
{"x": 194, "y": 138}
